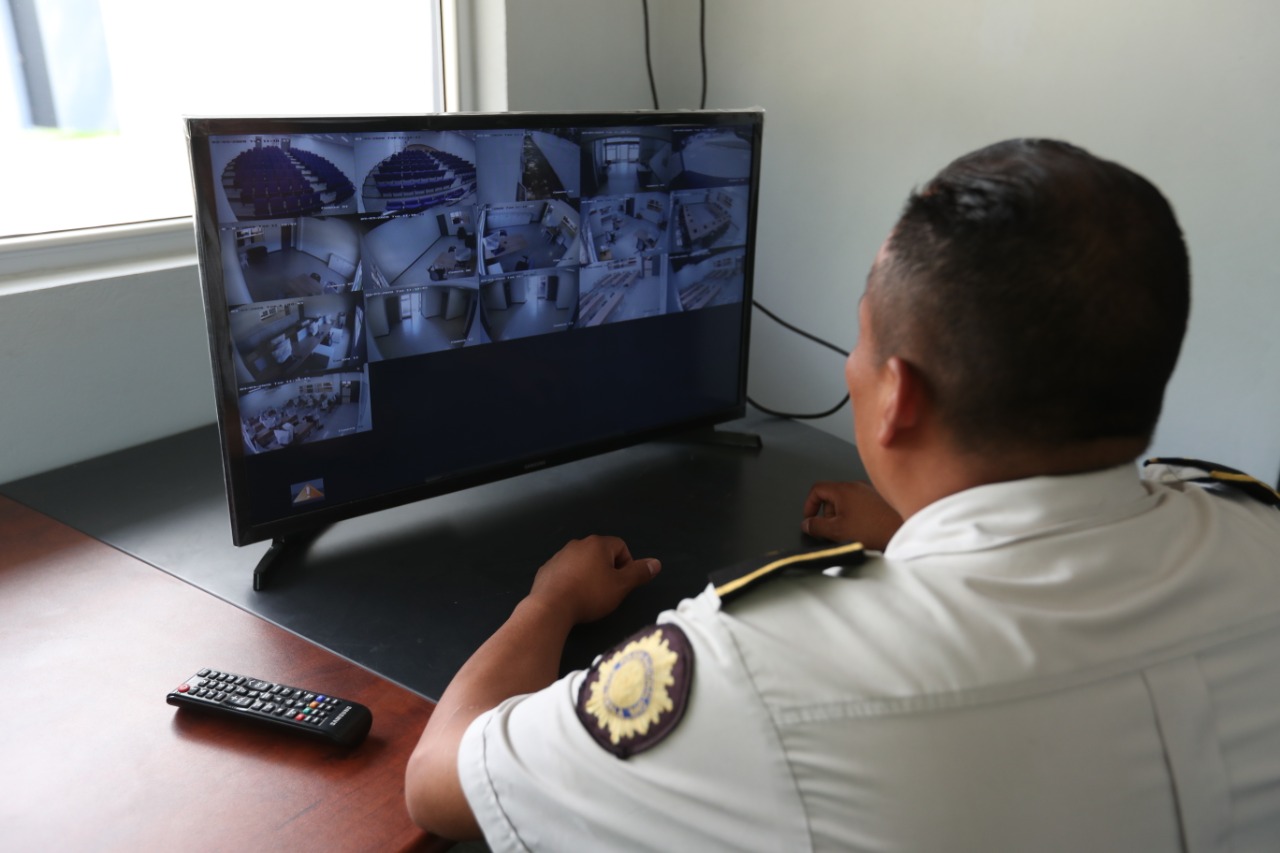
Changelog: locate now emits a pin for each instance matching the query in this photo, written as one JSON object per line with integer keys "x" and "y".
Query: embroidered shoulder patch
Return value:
{"x": 637, "y": 692}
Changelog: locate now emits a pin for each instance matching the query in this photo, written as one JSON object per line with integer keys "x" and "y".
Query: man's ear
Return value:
{"x": 901, "y": 401}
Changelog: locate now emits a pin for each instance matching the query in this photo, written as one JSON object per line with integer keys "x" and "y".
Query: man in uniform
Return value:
{"x": 1051, "y": 652}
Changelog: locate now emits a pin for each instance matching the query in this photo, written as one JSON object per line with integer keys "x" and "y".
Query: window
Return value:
{"x": 92, "y": 92}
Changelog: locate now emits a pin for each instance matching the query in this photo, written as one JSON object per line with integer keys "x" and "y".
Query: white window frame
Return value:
{"x": 473, "y": 52}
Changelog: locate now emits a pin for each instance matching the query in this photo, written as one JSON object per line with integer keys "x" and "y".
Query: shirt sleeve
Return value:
{"x": 536, "y": 779}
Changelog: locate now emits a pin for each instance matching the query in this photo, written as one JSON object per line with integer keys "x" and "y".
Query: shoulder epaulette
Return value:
{"x": 733, "y": 581}
{"x": 1173, "y": 469}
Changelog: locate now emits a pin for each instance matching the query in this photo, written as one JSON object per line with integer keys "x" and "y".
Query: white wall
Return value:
{"x": 867, "y": 99}
{"x": 90, "y": 368}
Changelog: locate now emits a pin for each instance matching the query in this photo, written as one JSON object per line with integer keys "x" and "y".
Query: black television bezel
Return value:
{"x": 206, "y": 225}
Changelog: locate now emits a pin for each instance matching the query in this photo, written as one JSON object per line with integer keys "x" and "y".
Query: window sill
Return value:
{"x": 55, "y": 260}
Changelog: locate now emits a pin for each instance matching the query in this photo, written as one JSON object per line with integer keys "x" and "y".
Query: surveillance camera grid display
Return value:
{"x": 341, "y": 250}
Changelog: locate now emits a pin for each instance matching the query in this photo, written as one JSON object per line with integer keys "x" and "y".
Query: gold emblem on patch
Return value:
{"x": 636, "y": 694}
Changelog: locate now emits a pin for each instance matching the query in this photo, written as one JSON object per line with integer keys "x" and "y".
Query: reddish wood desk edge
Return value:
{"x": 93, "y": 638}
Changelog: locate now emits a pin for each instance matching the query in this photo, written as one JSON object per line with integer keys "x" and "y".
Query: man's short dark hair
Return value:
{"x": 1042, "y": 291}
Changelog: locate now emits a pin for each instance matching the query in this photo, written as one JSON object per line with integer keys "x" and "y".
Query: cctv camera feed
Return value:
{"x": 374, "y": 278}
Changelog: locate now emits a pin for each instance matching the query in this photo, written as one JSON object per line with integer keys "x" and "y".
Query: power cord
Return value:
{"x": 702, "y": 46}
{"x": 648, "y": 56}
{"x": 653, "y": 90}
{"x": 802, "y": 333}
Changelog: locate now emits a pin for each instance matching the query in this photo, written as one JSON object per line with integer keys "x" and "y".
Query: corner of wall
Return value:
{"x": 476, "y": 54}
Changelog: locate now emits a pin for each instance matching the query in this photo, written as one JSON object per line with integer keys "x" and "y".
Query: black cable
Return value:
{"x": 702, "y": 45}
{"x": 802, "y": 333}
{"x": 797, "y": 416}
{"x": 653, "y": 90}
{"x": 648, "y": 59}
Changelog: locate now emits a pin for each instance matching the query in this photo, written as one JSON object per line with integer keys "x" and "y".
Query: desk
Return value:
{"x": 446, "y": 260}
{"x": 94, "y": 759}
{"x": 411, "y": 592}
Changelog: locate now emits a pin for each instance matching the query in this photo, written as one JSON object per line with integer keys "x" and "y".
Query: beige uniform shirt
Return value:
{"x": 1069, "y": 663}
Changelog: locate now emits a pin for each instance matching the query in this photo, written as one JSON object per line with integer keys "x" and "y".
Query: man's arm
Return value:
{"x": 850, "y": 512}
{"x": 585, "y": 581}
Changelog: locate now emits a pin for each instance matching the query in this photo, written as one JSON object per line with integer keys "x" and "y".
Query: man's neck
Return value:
{"x": 929, "y": 476}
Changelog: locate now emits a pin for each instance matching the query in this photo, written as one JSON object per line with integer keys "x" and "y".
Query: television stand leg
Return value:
{"x": 723, "y": 438}
{"x": 281, "y": 548}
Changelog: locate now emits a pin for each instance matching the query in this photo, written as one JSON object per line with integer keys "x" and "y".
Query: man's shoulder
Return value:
{"x": 1212, "y": 476}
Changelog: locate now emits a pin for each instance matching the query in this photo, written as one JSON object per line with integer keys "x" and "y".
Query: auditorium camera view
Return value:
{"x": 280, "y": 340}
{"x": 527, "y": 304}
{"x": 618, "y": 227}
{"x": 527, "y": 236}
{"x": 304, "y": 411}
{"x": 412, "y": 251}
{"x": 275, "y": 177}
{"x": 704, "y": 281}
{"x": 622, "y": 290}
{"x": 709, "y": 219}
{"x": 526, "y": 165}
{"x": 406, "y": 173}
{"x": 625, "y": 161}
{"x": 290, "y": 258}
{"x": 428, "y": 319}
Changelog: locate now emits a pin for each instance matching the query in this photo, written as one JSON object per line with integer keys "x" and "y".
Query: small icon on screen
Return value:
{"x": 308, "y": 492}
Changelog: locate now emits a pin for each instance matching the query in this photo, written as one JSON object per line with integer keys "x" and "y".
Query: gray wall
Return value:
{"x": 867, "y": 99}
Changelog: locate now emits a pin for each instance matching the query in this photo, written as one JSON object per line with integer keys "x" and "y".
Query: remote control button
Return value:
{"x": 184, "y": 688}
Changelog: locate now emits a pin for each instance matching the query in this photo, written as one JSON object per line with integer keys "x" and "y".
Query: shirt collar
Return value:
{"x": 1000, "y": 513}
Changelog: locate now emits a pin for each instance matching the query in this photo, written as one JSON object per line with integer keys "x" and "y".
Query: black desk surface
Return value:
{"x": 411, "y": 592}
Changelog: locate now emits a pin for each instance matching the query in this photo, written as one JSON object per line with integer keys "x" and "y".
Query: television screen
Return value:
{"x": 403, "y": 306}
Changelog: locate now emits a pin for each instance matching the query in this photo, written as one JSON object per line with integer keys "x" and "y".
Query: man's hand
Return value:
{"x": 585, "y": 581}
{"x": 850, "y": 512}
{"x": 588, "y": 578}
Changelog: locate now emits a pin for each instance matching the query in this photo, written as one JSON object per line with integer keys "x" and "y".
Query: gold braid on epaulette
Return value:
{"x": 1179, "y": 469}
{"x": 733, "y": 581}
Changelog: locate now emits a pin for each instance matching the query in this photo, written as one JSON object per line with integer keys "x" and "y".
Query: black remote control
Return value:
{"x": 304, "y": 711}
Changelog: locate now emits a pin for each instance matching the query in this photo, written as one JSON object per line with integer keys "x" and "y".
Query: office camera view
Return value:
{"x": 342, "y": 250}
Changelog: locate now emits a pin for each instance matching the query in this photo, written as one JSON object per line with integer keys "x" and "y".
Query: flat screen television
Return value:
{"x": 404, "y": 306}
